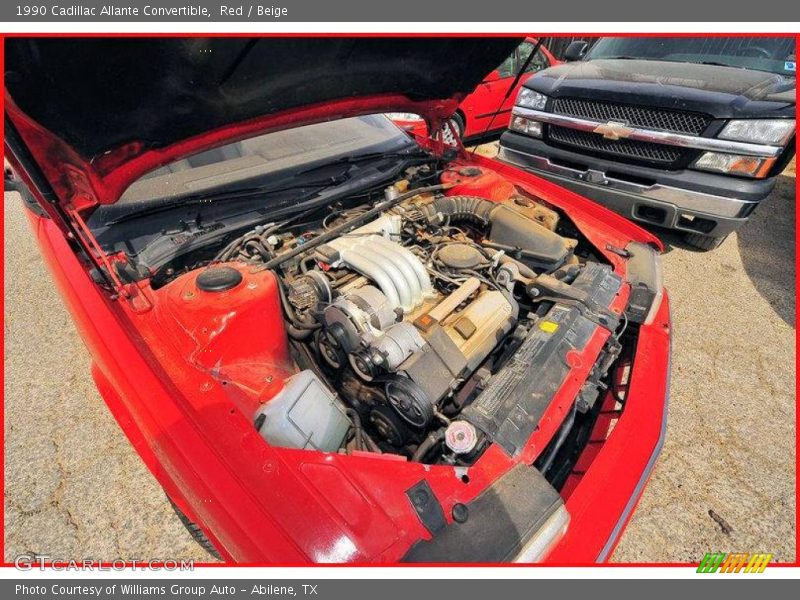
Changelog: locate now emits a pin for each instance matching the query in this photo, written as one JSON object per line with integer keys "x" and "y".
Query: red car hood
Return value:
{"x": 95, "y": 114}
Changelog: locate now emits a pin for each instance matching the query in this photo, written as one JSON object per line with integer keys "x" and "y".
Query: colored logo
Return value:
{"x": 742, "y": 562}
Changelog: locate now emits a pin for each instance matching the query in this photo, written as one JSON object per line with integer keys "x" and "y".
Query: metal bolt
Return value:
{"x": 460, "y": 513}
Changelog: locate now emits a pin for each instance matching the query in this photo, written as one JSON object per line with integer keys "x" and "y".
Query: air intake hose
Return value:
{"x": 461, "y": 208}
{"x": 509, "y": 229}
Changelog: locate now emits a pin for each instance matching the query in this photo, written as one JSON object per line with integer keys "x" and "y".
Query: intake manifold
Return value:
{"x": 397, "y": 271}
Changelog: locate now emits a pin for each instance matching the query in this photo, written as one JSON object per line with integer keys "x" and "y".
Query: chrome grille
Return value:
{"x": 646, "y": 151}
{"x": 636, "y": 116}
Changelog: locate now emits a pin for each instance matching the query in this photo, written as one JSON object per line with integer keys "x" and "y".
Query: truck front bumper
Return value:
{"x": 685, "y": 200}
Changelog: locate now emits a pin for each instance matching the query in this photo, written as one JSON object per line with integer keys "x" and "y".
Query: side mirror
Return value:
{"x": 493, "y": 76}
{"x": 576, "y": 50}
{"x": 10, "y": 181}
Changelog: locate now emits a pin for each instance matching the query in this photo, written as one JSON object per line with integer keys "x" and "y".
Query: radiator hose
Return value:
{"x": 433, "y": 438}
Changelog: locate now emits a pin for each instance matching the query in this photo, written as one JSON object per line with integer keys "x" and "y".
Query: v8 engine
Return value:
{"x": 404, "y": 332}
{"x": 406, "y": 315}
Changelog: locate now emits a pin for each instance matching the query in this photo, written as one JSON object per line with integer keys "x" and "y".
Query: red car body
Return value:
{"x": 487, "y": 110}
{"x": 263, "y": 504}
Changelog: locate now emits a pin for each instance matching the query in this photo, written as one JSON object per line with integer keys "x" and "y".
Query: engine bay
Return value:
{"x": 436, "y": 316}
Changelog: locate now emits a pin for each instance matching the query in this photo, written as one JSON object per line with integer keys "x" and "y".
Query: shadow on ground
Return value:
{"x": 671, "y": 239}
{"x": 767, "y": 248}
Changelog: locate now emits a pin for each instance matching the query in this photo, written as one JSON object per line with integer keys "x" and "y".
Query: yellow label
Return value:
{"x": 548, "y": 326}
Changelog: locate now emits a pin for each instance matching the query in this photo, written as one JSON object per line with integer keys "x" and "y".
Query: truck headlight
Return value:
{"x": 759, "y": 131}
{"x": 526, "y": 126}
{"x": 530, "y": 99}
{"x": 756, "y": 167}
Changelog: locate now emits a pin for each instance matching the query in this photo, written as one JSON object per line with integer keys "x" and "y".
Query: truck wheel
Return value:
{"x": 196, "y": 533}
{"x": 704, "y": 242}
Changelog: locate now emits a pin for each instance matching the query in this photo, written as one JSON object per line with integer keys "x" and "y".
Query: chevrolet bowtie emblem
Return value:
{"x": 613, "y": 130}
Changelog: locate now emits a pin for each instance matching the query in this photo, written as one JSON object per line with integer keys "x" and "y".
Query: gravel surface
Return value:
{"x": 730, "y": 444}
{"x": 76, "y": 489}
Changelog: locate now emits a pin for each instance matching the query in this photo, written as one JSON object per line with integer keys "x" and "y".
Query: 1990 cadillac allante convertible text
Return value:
{"x": 328, "y": 341}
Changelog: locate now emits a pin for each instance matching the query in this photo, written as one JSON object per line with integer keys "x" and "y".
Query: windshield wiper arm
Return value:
{"x": 358, "y": 158}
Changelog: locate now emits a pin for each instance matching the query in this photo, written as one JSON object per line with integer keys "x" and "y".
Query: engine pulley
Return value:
{"x": 330, "y": 347}
{"x": 410, "y": 401}
{"x": 364, "y": 365}
{"x": 389, "y": 425}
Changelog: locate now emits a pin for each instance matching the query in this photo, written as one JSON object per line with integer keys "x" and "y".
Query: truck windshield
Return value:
{"x": 775, "y": 55}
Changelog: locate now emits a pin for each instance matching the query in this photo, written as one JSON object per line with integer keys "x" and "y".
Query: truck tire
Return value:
{"x": 196, "y": 533}
{"x": 704, "y": 242}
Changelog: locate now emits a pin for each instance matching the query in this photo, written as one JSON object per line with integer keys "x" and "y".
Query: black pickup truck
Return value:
{"x": 684, "y": 133}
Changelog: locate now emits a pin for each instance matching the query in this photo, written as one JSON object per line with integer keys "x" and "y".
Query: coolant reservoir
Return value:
{"x": 304, "y": 414}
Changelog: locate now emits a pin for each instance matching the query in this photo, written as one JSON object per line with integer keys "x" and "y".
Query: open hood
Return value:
{"x": 95, "y": 114}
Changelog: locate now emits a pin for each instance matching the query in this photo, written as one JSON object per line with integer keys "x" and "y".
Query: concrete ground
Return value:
{"x": 74, "y": 488}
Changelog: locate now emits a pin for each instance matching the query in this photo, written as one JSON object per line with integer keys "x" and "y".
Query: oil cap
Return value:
{"x": 218, "y": 279}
